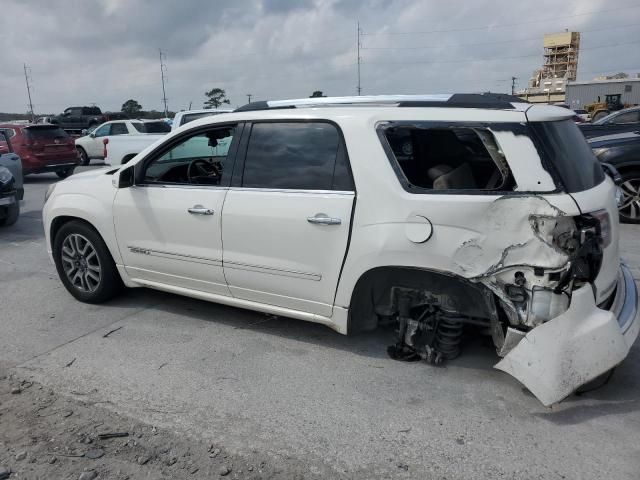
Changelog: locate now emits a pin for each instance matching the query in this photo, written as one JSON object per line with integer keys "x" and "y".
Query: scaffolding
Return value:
{"x": 561, "y": 55}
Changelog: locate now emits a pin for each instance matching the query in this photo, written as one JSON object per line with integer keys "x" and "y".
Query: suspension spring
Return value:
{"x": 448, "y": 337}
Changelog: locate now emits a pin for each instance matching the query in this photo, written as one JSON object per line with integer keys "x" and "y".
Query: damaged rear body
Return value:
{"x": 520, "y": 243}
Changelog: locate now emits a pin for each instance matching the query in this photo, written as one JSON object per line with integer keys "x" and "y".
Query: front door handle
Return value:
{"x": 322, "y": 219}
{"x": 200, "y": 210}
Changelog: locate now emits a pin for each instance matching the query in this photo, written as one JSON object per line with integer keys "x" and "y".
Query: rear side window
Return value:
{"x": 569, "y": 153}
{"x": 297, "y": 156}
{"x": 450, "y": 157}
{"x": 37, "y": 133}
{"x": 151, "y": 127}
{"x": 119, "y": 128}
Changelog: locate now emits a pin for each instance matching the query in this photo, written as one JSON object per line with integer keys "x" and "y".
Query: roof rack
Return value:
{"x": 458, "y": 100}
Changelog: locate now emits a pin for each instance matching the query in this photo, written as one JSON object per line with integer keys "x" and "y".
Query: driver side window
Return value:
{"x": 197, "y": 160}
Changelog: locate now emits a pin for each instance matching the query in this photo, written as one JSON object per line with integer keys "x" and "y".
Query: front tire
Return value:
{"x": 13, "y": 212}
{"x": 84, "y": 263}
{"x": 630, "y": 209}
{"x": 83, "y": 156}
{"x": 65, "y": 172}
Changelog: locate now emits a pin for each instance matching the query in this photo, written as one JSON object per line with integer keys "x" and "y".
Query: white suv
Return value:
{"x": 435, "y": 215}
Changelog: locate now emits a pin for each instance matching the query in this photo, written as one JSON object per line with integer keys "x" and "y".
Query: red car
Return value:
{"x": 42, "y": 148}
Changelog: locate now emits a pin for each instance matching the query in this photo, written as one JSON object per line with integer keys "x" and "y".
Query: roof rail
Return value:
{"x": 459, "y": 100}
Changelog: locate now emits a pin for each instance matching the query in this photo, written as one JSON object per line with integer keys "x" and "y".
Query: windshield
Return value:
{"x": 568, "y": 151}
{"x": 152, "y": 127}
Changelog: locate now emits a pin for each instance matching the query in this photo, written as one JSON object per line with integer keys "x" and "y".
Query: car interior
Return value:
{"x": 450, "y": 158}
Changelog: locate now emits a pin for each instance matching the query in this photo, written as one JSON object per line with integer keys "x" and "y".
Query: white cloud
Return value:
{"x": 83, "y": 51}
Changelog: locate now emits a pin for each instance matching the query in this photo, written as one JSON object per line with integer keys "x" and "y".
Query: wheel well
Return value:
{"x": 629, "y": 168}
{"x": 58, "y": 222}
{"x": 373, "y": 294}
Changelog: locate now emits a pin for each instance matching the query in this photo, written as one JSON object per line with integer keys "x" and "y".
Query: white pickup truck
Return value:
{"x": 124, "y": 138}
{"x": 187, "y": 116}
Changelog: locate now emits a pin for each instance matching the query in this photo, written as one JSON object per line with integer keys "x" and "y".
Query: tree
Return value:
{"x": 131, "y": 107}
{"x": 215, "y": 98}
{"x": 316, "y": 94}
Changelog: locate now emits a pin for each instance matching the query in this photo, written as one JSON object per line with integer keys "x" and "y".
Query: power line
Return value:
{"x": 163, "y": 68}
{"x": 506, "y": 24}
{"x": 529, "y": 39}
{"x": 493, "y": 58}
{"x": 26, "y": 80}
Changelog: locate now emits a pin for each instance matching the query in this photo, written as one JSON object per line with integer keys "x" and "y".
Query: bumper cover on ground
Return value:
{"x": 556, "y": 358}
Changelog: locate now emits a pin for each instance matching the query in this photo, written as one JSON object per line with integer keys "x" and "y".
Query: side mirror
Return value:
{"x": 84, "y": 131}
{"x": 126, "y": 177}
{"x": 92, "y": 134}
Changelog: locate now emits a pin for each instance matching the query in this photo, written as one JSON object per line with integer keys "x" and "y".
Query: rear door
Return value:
{"x": 286, "y": 219}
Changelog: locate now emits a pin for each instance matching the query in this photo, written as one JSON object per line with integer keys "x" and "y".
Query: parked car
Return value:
{"x": 11, "y": 189}
{"x": 583, "y": 114}
{"x": 627, "y": 120}
{"x": 309, "y": 213}
{"x": 42, "y": 148}
{"x": 75, "y": 119}
{"x": 187, "y": 116}
{"x": 622, "y": 150}
{"x": 92, "y": 146}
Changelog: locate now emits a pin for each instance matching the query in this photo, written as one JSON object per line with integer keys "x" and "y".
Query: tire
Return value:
{"x": 83, "y": 156}
{"x": 630, "y": 209}
{"x": 84, "y": 263}
{"x": 67, "y": 172}
{"x": 13, "y": 212}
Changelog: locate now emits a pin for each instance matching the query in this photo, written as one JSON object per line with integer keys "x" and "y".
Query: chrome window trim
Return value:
{"x": 293, "y": 190}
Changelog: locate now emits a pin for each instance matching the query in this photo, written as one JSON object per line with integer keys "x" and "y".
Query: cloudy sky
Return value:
{"x": 106, "y": 51}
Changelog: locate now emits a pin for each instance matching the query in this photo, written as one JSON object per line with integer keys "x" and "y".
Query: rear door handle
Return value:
{"x": 200, "y": 210}
{"x": 322, "y": 219}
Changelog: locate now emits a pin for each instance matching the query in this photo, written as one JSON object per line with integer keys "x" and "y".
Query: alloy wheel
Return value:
{"x": 81, "y": 263}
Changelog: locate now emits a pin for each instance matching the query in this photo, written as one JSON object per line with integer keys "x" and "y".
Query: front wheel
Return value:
{"x": 84, "y": 263}
{"x": 13, "y": 212}
{"x": 629, "y": 209}
{"x": 66, "y": 172}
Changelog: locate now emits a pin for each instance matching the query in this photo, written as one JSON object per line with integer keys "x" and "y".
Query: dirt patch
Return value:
{"x": 47, "y": 435}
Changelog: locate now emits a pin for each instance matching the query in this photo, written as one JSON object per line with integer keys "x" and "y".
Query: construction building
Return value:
{"x": 560, "y": 65}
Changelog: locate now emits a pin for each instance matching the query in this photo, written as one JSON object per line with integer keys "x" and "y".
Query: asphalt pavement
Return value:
{"x": 298, "y": 391}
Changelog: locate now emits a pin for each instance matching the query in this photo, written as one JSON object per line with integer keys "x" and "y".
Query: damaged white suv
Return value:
{"x": 438, "y": 215}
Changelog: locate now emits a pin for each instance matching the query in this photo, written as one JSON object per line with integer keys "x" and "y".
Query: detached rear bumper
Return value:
{"x": 556, "y": 358}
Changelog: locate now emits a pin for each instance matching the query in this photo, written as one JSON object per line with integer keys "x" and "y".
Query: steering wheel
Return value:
{"x": 202, "y": 171}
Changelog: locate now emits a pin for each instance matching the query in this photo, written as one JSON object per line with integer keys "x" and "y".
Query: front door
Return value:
{"x": 95, "y": 147}
{"x": 285, "y": 226}
{"x": 168, "y": 225}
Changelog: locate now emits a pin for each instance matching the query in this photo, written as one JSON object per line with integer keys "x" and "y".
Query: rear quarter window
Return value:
{"x": 569, "y": 154}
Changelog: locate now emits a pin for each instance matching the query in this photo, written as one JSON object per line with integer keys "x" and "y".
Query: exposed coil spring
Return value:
{"x": 448, "y": 337}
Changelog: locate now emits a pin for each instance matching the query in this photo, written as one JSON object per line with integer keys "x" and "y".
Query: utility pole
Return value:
{"x": 163, "y": 69}
{"x": 26, "y": 80}
{"x": 190, "y": 103}
{"x": 513, "y": 85}
{"x": 249, "y": 97}
{"x": 359, "y": 44}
